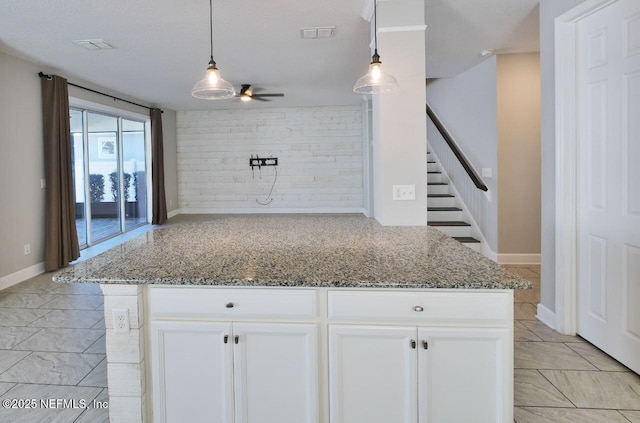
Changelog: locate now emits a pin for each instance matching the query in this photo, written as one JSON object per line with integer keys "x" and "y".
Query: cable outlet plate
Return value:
{"x": 121, "y": 320}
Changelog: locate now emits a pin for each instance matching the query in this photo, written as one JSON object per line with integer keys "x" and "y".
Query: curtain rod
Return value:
{"x": 44, "y": 75}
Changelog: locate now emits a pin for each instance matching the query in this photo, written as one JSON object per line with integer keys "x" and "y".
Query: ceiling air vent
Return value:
{"x": 95, "y": 44}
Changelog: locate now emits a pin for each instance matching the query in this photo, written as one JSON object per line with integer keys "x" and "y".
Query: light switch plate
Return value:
{"x": 404, "y": 192}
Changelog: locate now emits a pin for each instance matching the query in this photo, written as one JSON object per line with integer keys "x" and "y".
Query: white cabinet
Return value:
{"x": 448, "y": 357}
{"x": 462, "y": 376}
{"x": 192, "y": 371}
{"x": 213, "y": 362}
{"x": 372, "y": 374}
{"x": 381, "y": 374}
{"x": 234, "y": 372}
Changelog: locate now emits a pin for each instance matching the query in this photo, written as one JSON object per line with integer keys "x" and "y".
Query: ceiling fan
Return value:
{"x": 247, "y": 93}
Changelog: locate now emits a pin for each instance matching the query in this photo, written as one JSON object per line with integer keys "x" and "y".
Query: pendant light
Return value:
{"x": 212, "y": 87}
{"x": 376, "y": 80}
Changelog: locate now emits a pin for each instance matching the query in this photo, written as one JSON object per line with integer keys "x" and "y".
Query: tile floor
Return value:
{"x": 52, "y": 346}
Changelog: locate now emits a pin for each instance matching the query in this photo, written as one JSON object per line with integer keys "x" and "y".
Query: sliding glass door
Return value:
{"x": 109, "y": 156}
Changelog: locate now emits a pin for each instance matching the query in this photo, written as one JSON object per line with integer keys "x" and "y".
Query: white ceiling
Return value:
{"x": 162, "y": 46}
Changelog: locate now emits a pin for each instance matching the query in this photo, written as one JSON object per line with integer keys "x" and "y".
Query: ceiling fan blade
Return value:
{"x": 269, "y": 95}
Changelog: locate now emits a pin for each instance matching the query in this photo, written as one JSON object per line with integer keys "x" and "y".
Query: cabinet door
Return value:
{"x": 372, "y": 374}
{"x": 192, "y": 372}
{"x": 275, "y": 373}
{"x": 465, "y": 375}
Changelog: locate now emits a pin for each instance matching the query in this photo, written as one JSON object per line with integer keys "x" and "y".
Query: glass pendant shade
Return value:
{"x": 212, "y": 86}
{"x": 376, "y": 80}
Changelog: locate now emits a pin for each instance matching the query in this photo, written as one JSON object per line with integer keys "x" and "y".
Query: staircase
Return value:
{"x": 444, "y": 210}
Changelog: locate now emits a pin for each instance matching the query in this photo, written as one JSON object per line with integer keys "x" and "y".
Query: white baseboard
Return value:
{"x": 546, "y": 316}
{"x": 519, "y": 258}
{"x": 21, "y": 275}
{"x": 173, "y": 213}
{"x": 314, "y": 210}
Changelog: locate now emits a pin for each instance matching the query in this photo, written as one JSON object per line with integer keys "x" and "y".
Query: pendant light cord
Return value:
{"x": 211, "y": 25}
{"x": 375, "y": 25}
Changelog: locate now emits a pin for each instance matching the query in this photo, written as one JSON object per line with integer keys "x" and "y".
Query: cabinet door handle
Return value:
{"x": 230, "y": 305}
{"x": 236, "y": 339}
{"x": 413, "y": 344}
{"x": 226, "y": 339}
{"x": 418, "y": 308}
{"x": 425, "y": 345}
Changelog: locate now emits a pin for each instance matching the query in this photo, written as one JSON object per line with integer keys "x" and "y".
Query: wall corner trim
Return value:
{"x": 21, "y": 275}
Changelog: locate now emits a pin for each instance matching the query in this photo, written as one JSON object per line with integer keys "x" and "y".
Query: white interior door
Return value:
{"x": 609, "y": 180}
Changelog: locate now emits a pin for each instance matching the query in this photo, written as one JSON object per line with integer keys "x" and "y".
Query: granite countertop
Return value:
{"x": 348, "y": 251}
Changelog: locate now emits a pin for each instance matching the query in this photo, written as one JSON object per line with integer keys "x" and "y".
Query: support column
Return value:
{"x": 399, "y": 122}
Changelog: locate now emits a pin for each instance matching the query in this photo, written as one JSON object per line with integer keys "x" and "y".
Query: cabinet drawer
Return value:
{"x": 188, "y": 302}
{"x": 431, "y": 306}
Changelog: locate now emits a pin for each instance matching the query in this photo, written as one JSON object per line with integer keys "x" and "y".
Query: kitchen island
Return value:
{"x": 304, "y": 319}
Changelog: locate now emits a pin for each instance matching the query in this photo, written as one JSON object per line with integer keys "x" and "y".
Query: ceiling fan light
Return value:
{"x": 375, "y": 81}
{"x": 245, "y": 97}
{"x": 213, "y": 86}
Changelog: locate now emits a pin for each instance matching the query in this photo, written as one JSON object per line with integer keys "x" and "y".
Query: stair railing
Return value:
{"x": 456, "y": 151}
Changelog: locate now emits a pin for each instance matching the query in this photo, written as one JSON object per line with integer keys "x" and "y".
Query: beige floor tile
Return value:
{"x": 20, "y": 316}
{"x": 100, "y": 324}
{"x": 40, "y": 284}
{"x": 52, "y": 368}
{"x": 523, "y": 271}
{"x": 596, "y": 357}
{"x": 605, "y": 390}
{"x": 42, "y": 414}
{"x": 548, "y": 355}
{"x": 98, "y": 347}
{"x": 524, "y": 311}
{"x": 547, "y": 334}
{"x": 566, "y": 415}
{"x": 81, "y": 319}
{"x": 8, "y": 358}
{"x": 10, "y": 337}
{"x": 632, "y": 416}
{"x": 522, "y": 334}
{"x": 4, "y": 387}
{"x": 97, "y": 413}
{"x": 97, "y": 377}
{"x": 76, "y": 302}
{"x": 532, "y": 389}
{"x": 78, "y": 289}
{"x": 19, "y": 300}
{"x": 527, "y": 295}
{"x": 60, "y": 340}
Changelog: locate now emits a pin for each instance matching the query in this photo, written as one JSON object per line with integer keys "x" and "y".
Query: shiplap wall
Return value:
{"x": 319, "y": 151}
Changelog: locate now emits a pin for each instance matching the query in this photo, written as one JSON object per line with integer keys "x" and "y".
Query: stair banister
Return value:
{"x": 456, "y": 151}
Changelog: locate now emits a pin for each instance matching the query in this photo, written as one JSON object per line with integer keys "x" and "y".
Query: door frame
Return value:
{"x": 566, "y": 166}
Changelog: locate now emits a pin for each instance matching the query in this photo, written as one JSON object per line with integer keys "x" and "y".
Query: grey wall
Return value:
{"x": 21, "y": 161}
{"x": 549, "y": 10}
{"x": 467, "y": 106}
{"x": 519, "y": 153}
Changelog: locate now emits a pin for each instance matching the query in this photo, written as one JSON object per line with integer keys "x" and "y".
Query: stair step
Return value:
{"x": 448, "y": 223}
{"x": 466, "y": 239}
{"x": 440, "y": 195}
{"x": 443, "y": 209}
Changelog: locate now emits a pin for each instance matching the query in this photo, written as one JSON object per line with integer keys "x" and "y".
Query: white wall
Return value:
{"x": 467, "y": 106}
{"x": 549, "y": 10}
{"x": 22, "y": 201}
{"x": 519, "y": 153}
{"x": 319, "y": 151}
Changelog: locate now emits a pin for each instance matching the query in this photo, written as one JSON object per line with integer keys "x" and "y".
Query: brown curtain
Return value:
{"x": 159, "y": 206}
{"x": 61, "y": 244}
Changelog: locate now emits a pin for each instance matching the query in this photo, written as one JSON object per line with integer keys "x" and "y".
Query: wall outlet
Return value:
{"x": 121, "y": 320}
{"x": 27, "y": 249}
{"x": 404, "y": 192}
